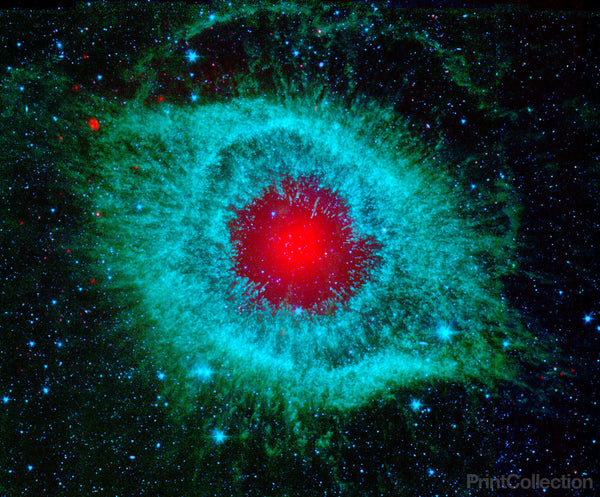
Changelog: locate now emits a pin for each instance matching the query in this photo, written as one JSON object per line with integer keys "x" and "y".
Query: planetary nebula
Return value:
{"x": 296, "y": 243}
{"x": 303, "y": 255}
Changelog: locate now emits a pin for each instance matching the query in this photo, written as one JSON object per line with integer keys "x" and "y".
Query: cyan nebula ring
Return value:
{"x": 173, "y": 178}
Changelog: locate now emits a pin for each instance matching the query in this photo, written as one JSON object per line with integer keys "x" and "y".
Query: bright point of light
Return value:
{"x": 204, "y": 373}
{"x": 444, "y": 333}
{"x": 218, "y": 436}
{"x": 415, "y": 404}
{"x": 5, "y": 399}
{"x": 588, "y": 318}
{"x": 191, "y": 56}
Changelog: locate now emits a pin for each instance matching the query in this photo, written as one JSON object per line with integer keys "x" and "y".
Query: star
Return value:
{"x": 444, "y": 333}
{"x": 204, "y": 373}
{"x": 587, "y": 319}
{"x": 191, "y": 56}
{"x": 218, "y": 436}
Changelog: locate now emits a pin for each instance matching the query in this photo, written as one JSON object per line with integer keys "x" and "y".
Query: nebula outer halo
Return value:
{"x": 197, "y": 165}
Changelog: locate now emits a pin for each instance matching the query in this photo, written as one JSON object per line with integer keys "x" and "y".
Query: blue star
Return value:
{"x": 203, "y": 372}
{"x": 416, "y": 405}
{"x": 444, "y": 333}
{"x": 588, "y": 318}
{"x": 191, "y": 56}
{"x": 218, "y": 436}
{"x": 5, "y": 399}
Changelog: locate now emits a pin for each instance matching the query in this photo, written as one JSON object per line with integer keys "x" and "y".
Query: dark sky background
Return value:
{"x": 79, "y": 412}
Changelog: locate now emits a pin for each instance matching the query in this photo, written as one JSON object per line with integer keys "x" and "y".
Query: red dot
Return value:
{"x": 298, "y": 246}
{"x": 94, "y": 124}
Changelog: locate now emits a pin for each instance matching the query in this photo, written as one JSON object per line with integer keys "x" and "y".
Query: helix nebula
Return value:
{"x": 293, "y": 249}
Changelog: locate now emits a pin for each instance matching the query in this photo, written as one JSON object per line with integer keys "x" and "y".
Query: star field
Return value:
{"x": 507, "y": 100}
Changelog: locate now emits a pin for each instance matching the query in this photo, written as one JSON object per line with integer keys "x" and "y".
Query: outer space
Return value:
{"x": 300, "y": 248}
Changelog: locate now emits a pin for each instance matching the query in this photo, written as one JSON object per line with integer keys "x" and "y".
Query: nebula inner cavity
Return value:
{"x": 296, "y": 243}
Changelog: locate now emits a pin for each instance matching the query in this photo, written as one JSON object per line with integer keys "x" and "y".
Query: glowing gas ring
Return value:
{"x": 253, "y": 202}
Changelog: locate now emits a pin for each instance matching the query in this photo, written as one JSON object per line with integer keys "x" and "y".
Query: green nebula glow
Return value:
{"x": 170, "y": 178}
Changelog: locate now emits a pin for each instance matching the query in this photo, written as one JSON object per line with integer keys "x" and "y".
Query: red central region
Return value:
{"x": 297, "y": 244}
